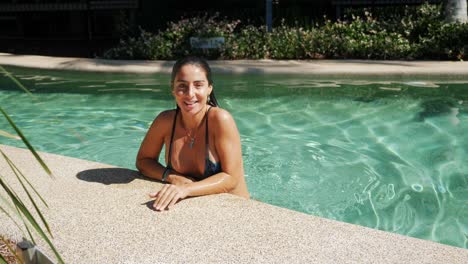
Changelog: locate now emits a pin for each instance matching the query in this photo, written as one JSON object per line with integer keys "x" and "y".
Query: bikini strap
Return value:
{"x": 206, "y": 134}
{"x": 169, "y": 164}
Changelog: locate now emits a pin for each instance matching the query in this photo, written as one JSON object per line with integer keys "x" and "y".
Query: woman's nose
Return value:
{"x": 191, "y": 90}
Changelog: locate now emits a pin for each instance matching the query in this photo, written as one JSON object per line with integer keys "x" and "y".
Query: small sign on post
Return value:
{"x": 207, "y": 43}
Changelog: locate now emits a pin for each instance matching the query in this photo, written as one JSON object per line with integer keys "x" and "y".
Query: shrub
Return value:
{"x": 146, "y": 46}
{"x": 285, "y": 42}
{"x": 450, "y": 41}
{"x": 174, "y": 42}
{"x": 249, "y": 43}
{"x": 410, "y": 33}
{"x": 421, "y": 23}
{"x": 179, "y": 35}
{"x": 363, "y": 38}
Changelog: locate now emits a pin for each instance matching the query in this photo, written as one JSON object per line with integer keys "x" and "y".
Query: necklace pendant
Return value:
{"x": 192, "y": 141}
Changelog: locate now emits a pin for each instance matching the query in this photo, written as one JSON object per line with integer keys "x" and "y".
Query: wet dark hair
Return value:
{"x": 199, "y": 62}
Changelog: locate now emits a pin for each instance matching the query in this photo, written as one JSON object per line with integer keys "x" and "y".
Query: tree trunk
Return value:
{"x": 455, "y": 11}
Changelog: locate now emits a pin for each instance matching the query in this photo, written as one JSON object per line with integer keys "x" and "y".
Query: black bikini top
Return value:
{"x": 211, "y": 167}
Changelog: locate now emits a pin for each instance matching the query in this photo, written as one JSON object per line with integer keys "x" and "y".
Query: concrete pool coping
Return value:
{"x": 324, "y": 68}
{"x": 99, "y": 214}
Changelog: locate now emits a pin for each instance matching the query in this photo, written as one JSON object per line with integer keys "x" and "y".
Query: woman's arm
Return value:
{"x": 150, "y": 148}
{"x": 228, "y": 147}
{"x": 147, "y": 159}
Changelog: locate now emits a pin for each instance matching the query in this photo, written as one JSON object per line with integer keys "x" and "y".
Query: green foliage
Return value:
{"x": 421, "y": 23}
{"x": 364, "y": 38}
{"x": 174, "y": 42}
{"x": 450, "y": 41}
{"x": 15, "y": 205}
{"x": 417, "y": 32}
{"x": 285, "y": 42}
{"x": 146, "y": 46}
{"x": 201, "y": 27}
{"x": 250, "y": 42}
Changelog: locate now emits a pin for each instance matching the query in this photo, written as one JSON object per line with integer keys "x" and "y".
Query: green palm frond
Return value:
{"x": 31, "y": 237}
{"x": 32, "y": 221}
{"x": 26, "y": 142}
{"x": 9, "y": 75}
{"x": 7, "y": 214}
{"x": 13, "y": 168}
{"x": 19, "y": 207}
{"x": 8, "y": 135}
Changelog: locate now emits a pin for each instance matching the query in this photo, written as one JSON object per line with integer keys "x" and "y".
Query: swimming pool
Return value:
{"x": 386, "y": 154}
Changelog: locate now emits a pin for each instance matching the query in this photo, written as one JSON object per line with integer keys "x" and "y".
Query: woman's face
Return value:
{"x": 191, "y": 89}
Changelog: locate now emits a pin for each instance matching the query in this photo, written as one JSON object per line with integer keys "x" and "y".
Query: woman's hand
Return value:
{"x": 169, "y": 195}
{"x": 179, "y": 179}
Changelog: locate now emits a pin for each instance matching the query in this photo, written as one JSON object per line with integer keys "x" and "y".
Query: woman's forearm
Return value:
{"x": 155, "y": 170}
{"x": 150, "y": 168}
{"x": 219, "y": 183}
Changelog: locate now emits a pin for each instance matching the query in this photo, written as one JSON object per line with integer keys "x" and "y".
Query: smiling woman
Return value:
{"x": 203, "y": 147}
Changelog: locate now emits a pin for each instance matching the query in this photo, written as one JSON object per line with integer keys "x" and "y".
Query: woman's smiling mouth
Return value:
{"x": 190, "y": 102}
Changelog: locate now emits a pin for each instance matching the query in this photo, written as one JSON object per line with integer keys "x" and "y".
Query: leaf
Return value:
{"x": 26, "y": 142}
{"x": 28, "y": 194}
{"x": 27, "y": 227}
{"x": 9, "y": 75}
{"x": 30, "y": 219}
{"x": 24, "y": 177}
{"x": 8, "y": 135}
{"x": 8, "y": 215}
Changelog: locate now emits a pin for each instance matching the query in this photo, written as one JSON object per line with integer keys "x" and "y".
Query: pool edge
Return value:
{"x": 328, "y": 68}
{"x": 225, "y": 227}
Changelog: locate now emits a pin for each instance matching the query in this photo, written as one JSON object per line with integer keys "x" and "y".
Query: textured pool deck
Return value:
{"x": 100, "y": 214}
{"x": 330, "y": 68}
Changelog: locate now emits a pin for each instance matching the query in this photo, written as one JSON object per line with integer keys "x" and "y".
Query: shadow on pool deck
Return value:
{"x": 111, "y": 176}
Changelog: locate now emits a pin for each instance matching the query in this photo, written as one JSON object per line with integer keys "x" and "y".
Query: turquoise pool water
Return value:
{"x": 391, "y": 155}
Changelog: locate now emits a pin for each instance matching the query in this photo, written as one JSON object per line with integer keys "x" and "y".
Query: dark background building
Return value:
{"x": 68, "y": 27}
{"x": 86, "y": 28}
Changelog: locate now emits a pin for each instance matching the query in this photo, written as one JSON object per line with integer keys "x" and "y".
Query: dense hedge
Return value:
{"x": 418, "y": 33}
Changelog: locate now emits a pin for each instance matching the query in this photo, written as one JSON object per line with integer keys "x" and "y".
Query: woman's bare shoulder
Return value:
{"x": 220, "y": 116}
{"x": 164, "y": 118}
{"x": 166, "y": 115}
{"x": 221, "y": 121}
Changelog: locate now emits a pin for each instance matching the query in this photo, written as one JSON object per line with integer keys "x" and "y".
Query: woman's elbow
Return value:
{"x": 230, "y": 183}
{"x": 139, "y": 165}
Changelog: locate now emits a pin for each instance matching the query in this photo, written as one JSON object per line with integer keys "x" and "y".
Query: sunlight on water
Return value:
{"x": 383, "y": 154}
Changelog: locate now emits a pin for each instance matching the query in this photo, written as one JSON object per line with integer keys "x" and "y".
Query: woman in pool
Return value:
{"x": 203, "y": 149}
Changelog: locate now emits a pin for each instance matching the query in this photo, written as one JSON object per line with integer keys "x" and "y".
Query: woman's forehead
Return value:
{"x": 191, "y": 72}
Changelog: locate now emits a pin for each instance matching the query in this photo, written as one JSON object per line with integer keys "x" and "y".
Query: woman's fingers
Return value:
{"x": 159, "y": 202}
{"x": 174, "y": 200}
{"x": 168, "y": 196}
{"x": 168, "y": 199}
{"x": 161, "y": 194}
{"x": 153, "y": 195}
{"x": 164, "y": 197}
